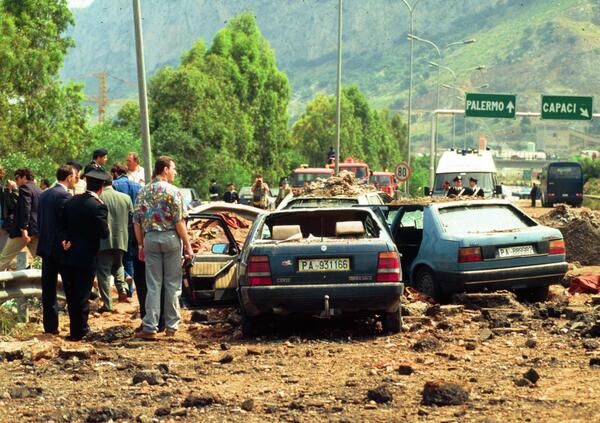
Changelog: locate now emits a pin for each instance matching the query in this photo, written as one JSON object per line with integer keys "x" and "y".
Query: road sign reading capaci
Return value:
{"x": 490, "y": 105}
{"x": 567, "y": 107}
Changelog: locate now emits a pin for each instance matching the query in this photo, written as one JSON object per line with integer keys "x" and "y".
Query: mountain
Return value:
{"x": 528, "y": 47}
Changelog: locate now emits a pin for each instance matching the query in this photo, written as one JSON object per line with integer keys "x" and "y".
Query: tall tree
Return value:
{"x": 38, "y": 115}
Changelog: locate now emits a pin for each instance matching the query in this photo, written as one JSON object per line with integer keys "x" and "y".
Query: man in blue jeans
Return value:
{"x": 160, "y": 231}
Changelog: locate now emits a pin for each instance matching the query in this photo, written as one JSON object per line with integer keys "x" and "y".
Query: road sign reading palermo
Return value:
{"x": 491, "y": 105}
{"x": 567, "y": 107}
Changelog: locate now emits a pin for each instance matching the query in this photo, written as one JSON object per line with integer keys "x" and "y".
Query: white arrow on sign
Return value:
{"x": 584, "y": 112}
{"x": 510, "y": 107}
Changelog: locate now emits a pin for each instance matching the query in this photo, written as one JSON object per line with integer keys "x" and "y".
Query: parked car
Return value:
{"x": 457, "y": 246}
{"x": 312, "y": 201}
{"x": 323, "y": 262}
{"x": 190, "y": 197}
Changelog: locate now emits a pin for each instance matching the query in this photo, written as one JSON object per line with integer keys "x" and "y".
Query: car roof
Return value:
{"x": 441, "y": 202}
{"x": 455, "y": 162}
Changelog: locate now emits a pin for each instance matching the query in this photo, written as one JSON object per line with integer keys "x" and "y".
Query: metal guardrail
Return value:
{"x": 24, "y": 284}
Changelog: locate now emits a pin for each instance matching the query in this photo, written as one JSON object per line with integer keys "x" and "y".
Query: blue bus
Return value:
{"x": 561, "y": 182}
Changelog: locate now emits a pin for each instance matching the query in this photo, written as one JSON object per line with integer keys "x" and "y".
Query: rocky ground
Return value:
{"x": 485, "y": 358}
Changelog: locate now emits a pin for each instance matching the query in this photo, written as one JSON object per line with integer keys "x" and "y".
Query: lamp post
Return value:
{"x": 411, "y": 11}
{"x": 439, "y": 52}
{"x": 338, "y": 91}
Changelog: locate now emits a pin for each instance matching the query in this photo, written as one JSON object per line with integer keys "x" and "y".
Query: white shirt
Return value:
{"x": 137, "y": 175}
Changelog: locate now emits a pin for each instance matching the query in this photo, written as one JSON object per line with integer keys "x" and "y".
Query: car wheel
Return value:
{"x": 533, "y": 295}
{"x": 425, "y": 283}
{"x": 392, "y": 322}
{"x": 250, "y": 326}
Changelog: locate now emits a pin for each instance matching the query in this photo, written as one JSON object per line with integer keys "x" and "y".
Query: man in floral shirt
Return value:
{"x": 160, "y": 230}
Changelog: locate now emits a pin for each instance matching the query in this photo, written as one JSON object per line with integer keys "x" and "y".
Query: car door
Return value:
{"x": 407, "y": 232}
{"x": 210, "y": 276}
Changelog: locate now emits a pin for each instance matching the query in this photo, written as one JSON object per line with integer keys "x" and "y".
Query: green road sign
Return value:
{"x": 491, "y": 105}
{"x": 567, "y": 107}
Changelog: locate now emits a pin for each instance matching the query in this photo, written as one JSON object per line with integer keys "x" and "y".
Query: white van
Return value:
{"x": 478, "y": 164}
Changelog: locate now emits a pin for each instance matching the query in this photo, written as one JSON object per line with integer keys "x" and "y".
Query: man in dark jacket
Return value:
{"x": 23, "y": 231}
{"x": 83, "y": 224}
{"x": 456, "y": 190}
{"x": 533, "y": 194}
{"x": 49, "y": 249}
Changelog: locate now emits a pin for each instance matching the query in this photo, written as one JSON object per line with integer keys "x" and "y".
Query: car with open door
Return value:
{"x": 319, "y": 261}
{"x": 476, "y": 245}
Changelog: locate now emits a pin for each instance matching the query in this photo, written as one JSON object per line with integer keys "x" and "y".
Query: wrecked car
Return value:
{"x": 475, "y": 245}
{"x": 323, "y": 262}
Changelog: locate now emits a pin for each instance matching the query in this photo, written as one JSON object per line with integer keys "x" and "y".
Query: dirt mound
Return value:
{"x": 581, "y": 230}
{"x": 345, "y": 184}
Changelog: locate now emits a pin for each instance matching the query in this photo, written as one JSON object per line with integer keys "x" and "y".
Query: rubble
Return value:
{"x": 82, "y": 351}
{"x": 442, "y": 393}
{"x": 380, "y": 395}
{"x": 345, "y": 184}
{"x": 581, "y": 230}
{"x": 204, "y": 233}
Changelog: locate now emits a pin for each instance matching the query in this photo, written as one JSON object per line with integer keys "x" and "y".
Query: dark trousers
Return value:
{"x": 50, "y": 271}
{"x": 139, "y": 270}
{"x": 532, "y": 201}
{"x": 77, "y": 283}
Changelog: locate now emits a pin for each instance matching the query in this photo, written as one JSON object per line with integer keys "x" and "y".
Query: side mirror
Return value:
{"x": 498, "y": 189}
{"x": 426, "y": 192}
{"x": 219, "y": 248}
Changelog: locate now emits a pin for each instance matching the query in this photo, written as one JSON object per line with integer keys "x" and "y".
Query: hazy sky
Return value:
{"x": 79, "y": 3}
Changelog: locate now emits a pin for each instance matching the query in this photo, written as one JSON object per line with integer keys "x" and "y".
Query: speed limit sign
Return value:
{"x": 403, "y": 171}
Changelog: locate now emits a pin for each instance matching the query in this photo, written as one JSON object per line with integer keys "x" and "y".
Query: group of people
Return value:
{"x": 260, "y": 192}
{"x": 106, "y": 223}
{"x": 458, "y": 189}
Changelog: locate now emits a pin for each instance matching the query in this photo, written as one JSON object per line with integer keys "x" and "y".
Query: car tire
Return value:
{"x": 392, "y": 322}
{"x": 425, "y": 283}
{"x": 250, "y": 326}
{"x": 533, "y": 295}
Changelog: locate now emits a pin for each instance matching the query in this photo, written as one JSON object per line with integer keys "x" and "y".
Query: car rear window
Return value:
{"x": 482, "y": 218}
{"x": 305, "y": 203}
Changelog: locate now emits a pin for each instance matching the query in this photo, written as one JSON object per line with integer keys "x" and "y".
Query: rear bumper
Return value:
{"x": 506, "y": 278}
{"x": 310, "y": 299}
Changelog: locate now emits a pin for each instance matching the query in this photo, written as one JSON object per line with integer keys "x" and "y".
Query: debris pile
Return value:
{"x": 581, "y": 230}
{"x": 345, "y": 184}
{"x": 205, "y": 233}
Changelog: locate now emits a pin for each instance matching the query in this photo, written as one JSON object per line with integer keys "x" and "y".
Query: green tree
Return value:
{"x": 39, "y": 117}
{"x": 117, "y": 141}
{"x": 365, "y": 134}
{"x": 222, "y": 113}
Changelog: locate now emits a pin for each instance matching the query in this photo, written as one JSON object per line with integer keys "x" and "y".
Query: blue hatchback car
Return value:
{"x": 475, "y": 245}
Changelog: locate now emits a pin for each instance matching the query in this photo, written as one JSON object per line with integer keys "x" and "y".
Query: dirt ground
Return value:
{"x": 314, "y": 370}
{"x": 494, "y": 360}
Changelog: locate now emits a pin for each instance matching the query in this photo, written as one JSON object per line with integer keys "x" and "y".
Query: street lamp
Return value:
{"x": 411, "y": 11}
{"x": 338, "y": 92}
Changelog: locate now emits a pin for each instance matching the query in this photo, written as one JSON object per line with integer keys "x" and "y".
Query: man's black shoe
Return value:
{"x": 52, "y": 332}
{"x": 94, "y": 295}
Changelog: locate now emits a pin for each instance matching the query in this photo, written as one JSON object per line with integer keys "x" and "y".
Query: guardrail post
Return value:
{"x": 22, "y": 303}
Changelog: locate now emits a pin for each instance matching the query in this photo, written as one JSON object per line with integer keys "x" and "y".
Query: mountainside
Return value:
{"x": 528, "y": 47}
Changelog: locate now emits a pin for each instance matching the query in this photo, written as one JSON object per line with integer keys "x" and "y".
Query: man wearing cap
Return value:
{"x": 112, "y": 248}
{"x": 473, "y": 189}
{"x": 160, "y": 230}
{"x": 99, "y": 159}
{"x": 457, "y": 189}
{"x": 83, "y": 224}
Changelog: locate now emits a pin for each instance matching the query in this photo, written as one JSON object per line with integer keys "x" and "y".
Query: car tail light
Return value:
{"x": 579, "y": 194}
{"x": 557, "y": 246}
{"x": 470, "y": 254}
{"x": 550, "y": 194}
{"x": 388, "y": 267}
{"x": 259, "y": 271}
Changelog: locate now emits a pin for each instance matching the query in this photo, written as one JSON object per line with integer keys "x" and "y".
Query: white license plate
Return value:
{"x": 324, "y": 265}
{"x": 521, "y": 250}
{"x": 565, "y": 195}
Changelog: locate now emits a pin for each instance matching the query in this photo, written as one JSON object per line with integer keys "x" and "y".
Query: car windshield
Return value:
{"x": 327, "y": 202}
{"x": 245, "y": 191}
{"x": 482, "y": 218}
{"x": 381, "y": 180}
{"x": 298, "y": 179}
{"x": 187, "y": 196}
{"x": 564, "y": 172}
{"x": 485, "y": 180}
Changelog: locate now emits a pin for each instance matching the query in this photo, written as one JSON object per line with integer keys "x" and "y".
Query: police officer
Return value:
{"x": 457, "y": 189}
{"x": 473, "y": 189}
{"x": 84, "y": 222}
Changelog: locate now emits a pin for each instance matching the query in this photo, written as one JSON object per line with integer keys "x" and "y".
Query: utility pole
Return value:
{"x": 338, "y": 109}
{"x": 102, "y": 97}
{"x": 141, "y": 71}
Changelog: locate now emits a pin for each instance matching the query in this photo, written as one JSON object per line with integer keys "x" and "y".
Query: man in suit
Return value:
{"x": 457, "y": 189}
{"x": 83, "y": 224}
{"x": 49, "y": 249}
{"x": 473, "y": 189}
{"x": 110, "y": 257}
{"x": 24, "y": 228}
